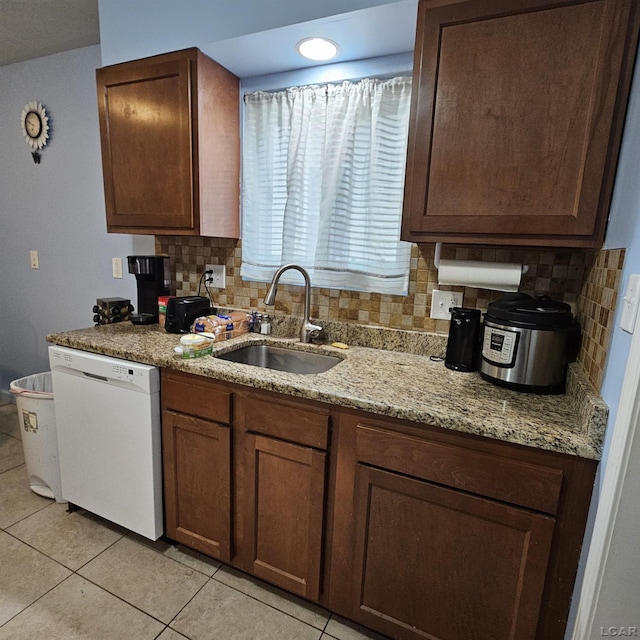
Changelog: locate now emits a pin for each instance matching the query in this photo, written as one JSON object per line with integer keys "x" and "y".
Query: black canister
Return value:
{"x": 462, "y": 346}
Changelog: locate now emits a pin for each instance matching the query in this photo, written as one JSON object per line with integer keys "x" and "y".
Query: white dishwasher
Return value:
{"x": 108, "y": 423}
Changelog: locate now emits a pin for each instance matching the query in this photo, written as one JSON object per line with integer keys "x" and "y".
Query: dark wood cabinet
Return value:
{"x": 254, "y": 494}
{"x": 169, "y": 130}
{"x": 411, "y": 530}
{"x": 282, "y": 483}
{"x": 450, "y": 536}
{"x": 486, "y": 556}
{"x": 433, "y": 562}
{"x": 517, "y": 115}
{"x": 197, "y": 473}
{"x": 197, "y": 463}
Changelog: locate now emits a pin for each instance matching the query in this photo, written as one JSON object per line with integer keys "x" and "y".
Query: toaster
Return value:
{"x": 182, "y": 311}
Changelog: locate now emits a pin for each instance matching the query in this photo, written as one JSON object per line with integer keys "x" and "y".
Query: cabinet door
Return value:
{"x": 197, "y": 468}
{"x": 147, "y": 146}
{"x": 442, "y": 564}
{"x": 285, "y": 487}
{"x": 516, "y": 121}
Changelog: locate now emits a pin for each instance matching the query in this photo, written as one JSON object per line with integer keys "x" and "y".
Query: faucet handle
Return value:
{"x": 314, "y": 329}
{"x": 310, "y": 330}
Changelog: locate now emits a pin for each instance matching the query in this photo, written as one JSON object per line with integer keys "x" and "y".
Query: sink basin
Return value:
{"x": 282, "y": 359}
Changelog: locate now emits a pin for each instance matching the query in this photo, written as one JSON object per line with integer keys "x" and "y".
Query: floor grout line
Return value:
{"x": 214, "y": 576}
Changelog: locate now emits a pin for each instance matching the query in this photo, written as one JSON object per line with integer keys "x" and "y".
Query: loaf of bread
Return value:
{"x": 223, "y": 327}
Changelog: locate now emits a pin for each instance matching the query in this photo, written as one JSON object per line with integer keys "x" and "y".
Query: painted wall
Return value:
{"x": 57, "y": 208}
{"x": 131, "y": 30}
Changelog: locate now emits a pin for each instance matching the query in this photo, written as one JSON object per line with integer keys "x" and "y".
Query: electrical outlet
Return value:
{"x": 217, "y": 279}
{"x": 33, "y": 257}
{"x": 116, "y": 267}
{"x": 442, "y": 301}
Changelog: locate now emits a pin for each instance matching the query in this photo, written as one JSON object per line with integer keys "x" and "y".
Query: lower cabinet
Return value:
{"x": 442, "y": 535}
{"x": 196, "y": 453}
{"x": 197, "y": 480}
{"x": 281, "y": 480}
{"x": 440, "y": 563}
{"x": 411, "y": 530}
{"x": 475, "y": 567}
{"x": 285, "y": 498}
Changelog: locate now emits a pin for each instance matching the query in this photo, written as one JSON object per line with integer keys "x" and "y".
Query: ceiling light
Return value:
{"x": 317, "y": 48}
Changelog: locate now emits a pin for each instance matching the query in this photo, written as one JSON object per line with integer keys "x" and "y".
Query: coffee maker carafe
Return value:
{"x": 462, "y": 346}
{"x": 152, "y": 275}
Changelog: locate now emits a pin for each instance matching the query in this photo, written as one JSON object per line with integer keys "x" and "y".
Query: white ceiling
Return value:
{"x": 34, "y": 28}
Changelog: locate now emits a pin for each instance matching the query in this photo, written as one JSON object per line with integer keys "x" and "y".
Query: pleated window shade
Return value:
{"x": 323, "y": 180}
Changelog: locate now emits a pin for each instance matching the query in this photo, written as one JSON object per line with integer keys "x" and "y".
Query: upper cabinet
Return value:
{"x": 517, "y": 115}
{"x": 170, "y": 135}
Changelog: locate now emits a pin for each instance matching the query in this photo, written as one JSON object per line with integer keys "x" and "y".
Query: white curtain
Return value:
{"x": 323, "y": 179}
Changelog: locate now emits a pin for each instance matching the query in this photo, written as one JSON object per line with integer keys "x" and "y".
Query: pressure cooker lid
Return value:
{"x": 522, "y": 309}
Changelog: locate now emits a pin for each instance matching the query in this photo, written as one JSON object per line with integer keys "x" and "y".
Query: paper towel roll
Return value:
{"x": 498, "y": 276}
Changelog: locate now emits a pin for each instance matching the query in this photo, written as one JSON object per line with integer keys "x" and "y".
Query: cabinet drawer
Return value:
{"x": 294, "y": 422}
{"x": 524, "y": 484}
{"x": 196, "y": 396}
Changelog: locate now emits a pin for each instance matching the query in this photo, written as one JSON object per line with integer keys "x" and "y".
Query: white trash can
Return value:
{"x": 37, "y": 420}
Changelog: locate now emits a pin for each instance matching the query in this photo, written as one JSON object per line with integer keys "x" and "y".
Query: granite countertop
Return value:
{"x": 391, "y": 383}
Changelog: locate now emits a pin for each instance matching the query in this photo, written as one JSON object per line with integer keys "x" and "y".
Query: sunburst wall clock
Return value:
{"x": 35, "y": 127}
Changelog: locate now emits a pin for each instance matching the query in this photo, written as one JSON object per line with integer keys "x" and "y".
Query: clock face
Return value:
{"x": 35, "y": 125}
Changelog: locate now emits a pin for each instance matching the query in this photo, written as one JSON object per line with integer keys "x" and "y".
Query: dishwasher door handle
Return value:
{"x": 95, "y": 376}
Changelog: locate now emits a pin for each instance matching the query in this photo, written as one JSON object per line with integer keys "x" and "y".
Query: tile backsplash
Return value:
{"x": 595, "y": 311}
{"x": 572, "y": 275}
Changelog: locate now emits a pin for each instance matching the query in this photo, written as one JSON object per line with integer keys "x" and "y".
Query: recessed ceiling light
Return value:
{"x": 317, "y": 48}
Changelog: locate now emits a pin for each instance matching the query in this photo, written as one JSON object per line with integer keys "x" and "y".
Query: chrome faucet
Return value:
{"x": 308, "y": 330}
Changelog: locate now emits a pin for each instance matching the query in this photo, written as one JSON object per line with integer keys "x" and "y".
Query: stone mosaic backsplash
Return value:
{"x": 595, "y": 311}
{"x": 563, "y": 274}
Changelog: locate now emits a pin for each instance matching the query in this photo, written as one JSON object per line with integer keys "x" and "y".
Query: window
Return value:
{"x": 323, "y": 180}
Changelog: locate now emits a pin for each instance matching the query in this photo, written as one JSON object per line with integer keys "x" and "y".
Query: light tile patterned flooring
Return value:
{"x": 75, "y": 576}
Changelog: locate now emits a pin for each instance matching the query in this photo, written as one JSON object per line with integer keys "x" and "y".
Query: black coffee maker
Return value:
{"x": 463, "y": 343}
{"x": 152, "y": 275}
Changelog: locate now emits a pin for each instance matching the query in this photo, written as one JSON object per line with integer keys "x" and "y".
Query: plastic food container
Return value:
{"x": 194, "y": 346}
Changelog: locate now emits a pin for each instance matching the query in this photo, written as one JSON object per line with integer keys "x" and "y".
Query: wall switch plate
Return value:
{"x": 630, "y": 304}
{"x": 442, "y": 301}
{"x": 116, "y": 267}
{"x": 35, "y": 261}
{"x": 218, "y": 278}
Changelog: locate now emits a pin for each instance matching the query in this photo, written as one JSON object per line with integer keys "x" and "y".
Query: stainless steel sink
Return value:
{"x": 281, "y": 358}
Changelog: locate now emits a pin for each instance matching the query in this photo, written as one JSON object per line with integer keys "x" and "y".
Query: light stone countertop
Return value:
{"x": 389, "y": 383}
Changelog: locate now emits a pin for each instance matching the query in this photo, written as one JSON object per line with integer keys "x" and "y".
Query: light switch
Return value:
{"x": 630, "y": 304}
{"x": 116, "y": 267}
{"x": 33, "y": 257}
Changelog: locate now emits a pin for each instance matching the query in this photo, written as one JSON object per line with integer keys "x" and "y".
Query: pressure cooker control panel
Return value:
{"x": 500, "y": 346}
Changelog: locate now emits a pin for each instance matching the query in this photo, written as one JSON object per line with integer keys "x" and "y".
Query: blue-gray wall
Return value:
{"x": 130, "y": 30}
{"x": 57, "y": 208}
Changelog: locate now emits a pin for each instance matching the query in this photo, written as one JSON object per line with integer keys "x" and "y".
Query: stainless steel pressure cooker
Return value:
{"x": 528, "y": 342}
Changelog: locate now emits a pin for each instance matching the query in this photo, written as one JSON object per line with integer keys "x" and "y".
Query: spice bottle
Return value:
{"x": 265, "y": 325}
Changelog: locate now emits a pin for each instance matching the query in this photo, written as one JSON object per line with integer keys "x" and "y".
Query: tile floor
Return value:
{"x": 75, "y": 576}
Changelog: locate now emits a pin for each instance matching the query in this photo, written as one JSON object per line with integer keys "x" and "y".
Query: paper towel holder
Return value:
{"x": 436, "y": 258}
